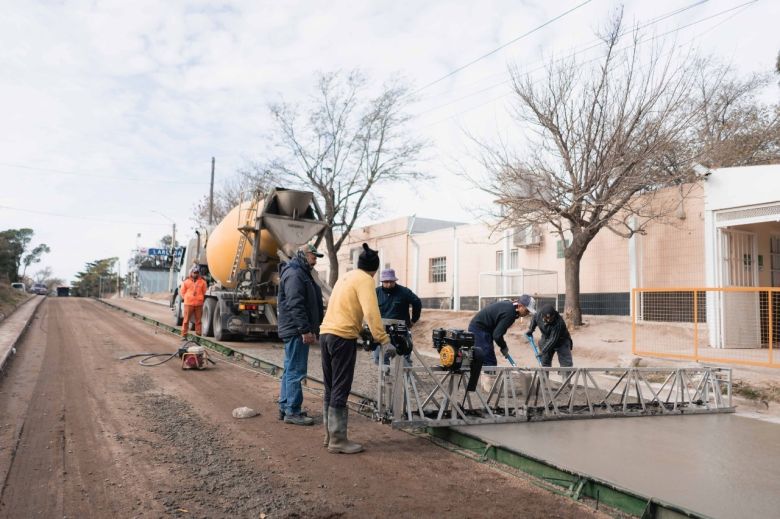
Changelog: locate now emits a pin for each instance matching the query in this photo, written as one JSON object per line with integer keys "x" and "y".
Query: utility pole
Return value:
{"x": 173, "y": 258}
{"x": 211, "y": 194}
{"x": 118, "y": 289}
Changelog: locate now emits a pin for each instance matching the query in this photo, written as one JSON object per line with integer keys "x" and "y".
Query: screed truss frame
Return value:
{"x": 426, "y": 396}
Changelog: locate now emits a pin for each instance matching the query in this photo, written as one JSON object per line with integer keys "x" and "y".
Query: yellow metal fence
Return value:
{"x": 730, "y": 325}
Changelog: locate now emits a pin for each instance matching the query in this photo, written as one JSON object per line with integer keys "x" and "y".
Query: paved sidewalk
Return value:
{"x": 12, "y": 327}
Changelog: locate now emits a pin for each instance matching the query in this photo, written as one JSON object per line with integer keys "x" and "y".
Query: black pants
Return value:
{"x": 338, "y": 368}
{"x": 564, "y": 356}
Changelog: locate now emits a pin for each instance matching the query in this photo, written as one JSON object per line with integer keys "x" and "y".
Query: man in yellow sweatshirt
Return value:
{"x": 352, "y": 302}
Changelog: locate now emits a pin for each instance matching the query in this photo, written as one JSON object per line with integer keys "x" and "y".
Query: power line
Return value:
{"x": 739, "y": 7}
{"x": 535, "y": 29}
{"x": 586, "y": 47}
{"x": 135, "y": 180}
{"x": 88, "y": 218}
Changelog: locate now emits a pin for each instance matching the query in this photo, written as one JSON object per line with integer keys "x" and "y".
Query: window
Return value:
{"x": 437, "y": 270}
{"x": 499, "y": 260}
{"x": 514, "y": 260}
{"x": 774, "y": 259}
{"x": 354, "y": 254}
{"x": 561, "y": 246}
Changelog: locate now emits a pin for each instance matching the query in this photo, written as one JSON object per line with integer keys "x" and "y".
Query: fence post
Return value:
{"x": 770, "y": 296}
{"x": 696, "y": 325}
{"x": 633, "y": 320}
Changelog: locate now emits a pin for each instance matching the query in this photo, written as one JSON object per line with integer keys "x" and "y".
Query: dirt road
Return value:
{"x": 83, "y": 434}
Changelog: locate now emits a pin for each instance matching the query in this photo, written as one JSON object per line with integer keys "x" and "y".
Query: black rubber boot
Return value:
{"x": 325, "y": 409}
{"x": 337, "y": 429}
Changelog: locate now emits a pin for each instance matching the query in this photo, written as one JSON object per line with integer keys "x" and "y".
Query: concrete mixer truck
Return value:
{"x": 242, "y": 254}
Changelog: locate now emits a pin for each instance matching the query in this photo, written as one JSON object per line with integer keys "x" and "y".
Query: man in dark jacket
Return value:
{"x": 394, "y": 302}
{"x": 300, "y": 315}
{"x": 492, "y": 322}
{"x": 555, "y": 337}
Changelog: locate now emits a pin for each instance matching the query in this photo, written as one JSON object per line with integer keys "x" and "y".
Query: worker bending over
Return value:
{"x": 492, "y": 322}
{"x": 555, "y": 337}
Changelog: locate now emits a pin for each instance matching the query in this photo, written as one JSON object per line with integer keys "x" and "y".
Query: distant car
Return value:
{"x": 18, "y": 286}
{"x": 40, "y": 289}
{"x": 63, "y": 291}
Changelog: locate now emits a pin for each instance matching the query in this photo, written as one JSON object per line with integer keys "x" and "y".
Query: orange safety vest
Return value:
{"x": 193, "y": 293}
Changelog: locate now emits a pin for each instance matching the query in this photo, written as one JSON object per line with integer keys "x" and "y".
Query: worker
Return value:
{"x": 352, "y": 302}
{"x": 555, "y": 337}
{"x": 300, "y": 309}
{"x": 193, "y": 294}
{"x": 492, "y": 322}
{"x": 394, "y": 302}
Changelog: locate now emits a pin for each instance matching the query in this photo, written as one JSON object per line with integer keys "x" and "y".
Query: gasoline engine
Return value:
{"x": 399, "y": 334}
{"x": 457, "y": 353}
{"x": 193, "y": 357}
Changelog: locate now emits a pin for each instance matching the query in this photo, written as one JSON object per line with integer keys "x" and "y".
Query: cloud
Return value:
{"x": 151, "y": 90}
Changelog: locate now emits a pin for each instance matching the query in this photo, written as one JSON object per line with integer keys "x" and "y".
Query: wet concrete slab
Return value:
{"x": 719, "y": 465}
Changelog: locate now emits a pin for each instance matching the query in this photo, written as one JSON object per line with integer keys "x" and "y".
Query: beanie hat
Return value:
{"x": 368, "y": 259}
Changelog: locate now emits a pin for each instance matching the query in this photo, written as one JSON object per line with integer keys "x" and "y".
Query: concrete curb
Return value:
{"x": 12, "y": 331}
{"x": 154, "y": 301}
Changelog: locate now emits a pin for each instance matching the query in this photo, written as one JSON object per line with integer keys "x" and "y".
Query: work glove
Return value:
{"x": 505, "y": 351}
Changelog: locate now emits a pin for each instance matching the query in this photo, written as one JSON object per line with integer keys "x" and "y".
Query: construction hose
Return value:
{"x": 148, "y": 356}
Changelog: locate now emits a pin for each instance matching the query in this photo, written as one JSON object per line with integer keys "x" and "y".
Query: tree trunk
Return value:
{"x": 333, "y": 260}
{"x": 573, "y": 313}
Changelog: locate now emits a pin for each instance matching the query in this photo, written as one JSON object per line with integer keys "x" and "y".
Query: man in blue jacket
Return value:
{"x": 394, "y": 302}
{"x": 300, "y": 312}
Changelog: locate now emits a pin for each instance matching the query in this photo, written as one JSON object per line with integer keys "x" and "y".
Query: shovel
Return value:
{"x": 536, "y": 350}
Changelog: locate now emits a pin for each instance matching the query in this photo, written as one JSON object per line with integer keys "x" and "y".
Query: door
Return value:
{"x": 740, "y": 311}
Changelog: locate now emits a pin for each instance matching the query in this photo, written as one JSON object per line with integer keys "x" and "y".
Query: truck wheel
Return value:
{"x": 207, "y": 321}
{"x": 177, "y": 312}
{"x": 220, "y": 333}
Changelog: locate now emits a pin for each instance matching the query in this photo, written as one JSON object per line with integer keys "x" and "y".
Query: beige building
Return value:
{"x": 727, "y": 233}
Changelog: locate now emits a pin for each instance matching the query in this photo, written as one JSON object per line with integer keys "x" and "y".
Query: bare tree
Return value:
{"x": 243, "y": 185}
{"x": 736, "y": 128}
{"x": 344, "y": 145}
{"x": 598, "y": 133}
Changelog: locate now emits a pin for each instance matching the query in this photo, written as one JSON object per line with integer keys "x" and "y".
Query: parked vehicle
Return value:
{"x": 39, "y": 289}
{"x": 18, "y": 286}
{"x": 63, "y": 291}
{"x": 241, "y": 256}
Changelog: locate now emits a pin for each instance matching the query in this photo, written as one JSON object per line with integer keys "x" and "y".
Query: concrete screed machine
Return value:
{"x": 241, "y": 255}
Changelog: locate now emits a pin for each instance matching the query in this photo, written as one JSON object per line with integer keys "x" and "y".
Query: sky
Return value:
{"x": 111, "y": 110}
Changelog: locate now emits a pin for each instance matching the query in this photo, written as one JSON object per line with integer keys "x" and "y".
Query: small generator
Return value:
{"x": 193, "y": 357}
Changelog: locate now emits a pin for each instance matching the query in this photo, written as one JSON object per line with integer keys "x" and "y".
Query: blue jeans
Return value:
{"x": 296, "y": 361}
{"x": 484, "y": 341}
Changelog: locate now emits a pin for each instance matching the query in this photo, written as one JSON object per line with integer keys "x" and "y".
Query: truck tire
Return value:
{"x": 207, "y": 321}
{"x": 220, "y": 333}
{"x": 178, "y": 316}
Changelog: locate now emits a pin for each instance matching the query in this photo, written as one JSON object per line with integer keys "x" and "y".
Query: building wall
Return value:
{"x": 670, "y": 254}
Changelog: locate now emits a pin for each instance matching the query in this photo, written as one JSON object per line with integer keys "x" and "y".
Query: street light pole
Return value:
{"x": 173, "y": 251}
{"x": 173, "y": 259}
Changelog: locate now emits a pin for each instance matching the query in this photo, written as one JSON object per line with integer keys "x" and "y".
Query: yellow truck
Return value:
{"x": 241, "y": 257}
